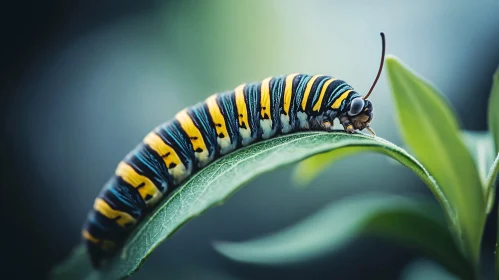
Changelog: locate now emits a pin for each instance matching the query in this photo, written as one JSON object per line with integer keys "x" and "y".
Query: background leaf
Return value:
{"x": 215, "y": 183}
{"x": 494, "y": 110}
{"x": 79, "y": 267}
{"x": 494, "y": 129}
{"x": 414, "y": 223}
{"x": 307, "y": 170}
{"x": 494, "y": 171}
{"x": 427, "y": 270}
{"x": 492, "y": 181}
{"x": 430, "y": 129}
{"x": 481, "y": 146}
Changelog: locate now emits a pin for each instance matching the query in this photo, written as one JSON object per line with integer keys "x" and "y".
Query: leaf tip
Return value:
{"x": 224, "y": 248}
{"x": 393, "y": 62}
{"x": 392, "y": 59}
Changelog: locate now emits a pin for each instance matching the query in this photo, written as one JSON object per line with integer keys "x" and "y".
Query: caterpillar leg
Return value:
{"x": 327, "y": 125}
{"x": 320, "y": 123}
{"x": 347, "y": 125}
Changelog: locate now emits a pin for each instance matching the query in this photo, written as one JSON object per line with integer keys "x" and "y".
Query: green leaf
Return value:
{"x": 479, "y": 143}
{"x": 415, "y": 223}
{"x": 492, "y": 181}
{"x": 494, "y": 130}
{"x": 494, "y": 171}
{"x": 494, "y": 110}
{"x": 430, "y": 129}
{"x": 308, "y": 169}
{"x": 424, "y": 269}
{"x": 215, "y": 183}
{"x": 183, "y": 270}
{"x": 79, "y": 267}
{"x": 481, "y": 146}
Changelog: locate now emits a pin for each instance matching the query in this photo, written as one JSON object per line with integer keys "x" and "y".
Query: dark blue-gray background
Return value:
{"x": 84, "y": 81}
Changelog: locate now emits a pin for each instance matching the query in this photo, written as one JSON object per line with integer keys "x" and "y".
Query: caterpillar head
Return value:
{"x": 360, "y": 110}
{"x": 360, "y": 113}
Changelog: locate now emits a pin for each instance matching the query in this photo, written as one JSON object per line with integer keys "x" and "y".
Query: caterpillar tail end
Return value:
{"x": 99, "y": 252}
{"x": 100, "y": 246}
{"x": 98, "y": 257}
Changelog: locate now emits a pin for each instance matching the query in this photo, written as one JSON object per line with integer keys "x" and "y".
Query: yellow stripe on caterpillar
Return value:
{"x": 146, "y": 188}
{"x": 171, "y": 159}
{"x": 87, "y": 236}
{"x": 288, "y": 92}
{"x": 122, "y": 218}
{"x": 317, "y": 105}
{"x": 339, "y": 100}
{"x": 223, "y": 137}
{"x": 265, "y": 98}
{"x": 242, "y": 115}
{"x": 242, "y": 111}
{"x": 106, "y": 245}
{"x": 265, "y": 114}
{"x": 308, "y": 88}
{"x": 200, "y": 150}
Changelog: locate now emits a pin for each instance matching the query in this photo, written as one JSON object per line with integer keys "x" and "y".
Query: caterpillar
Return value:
{"x": 198, "y": 135}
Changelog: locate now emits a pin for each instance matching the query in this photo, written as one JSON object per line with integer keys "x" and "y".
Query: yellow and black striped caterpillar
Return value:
{"x": 200, "y": 134}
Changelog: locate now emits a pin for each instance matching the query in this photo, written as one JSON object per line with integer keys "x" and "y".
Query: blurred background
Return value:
{"x": 84, "y": 81}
